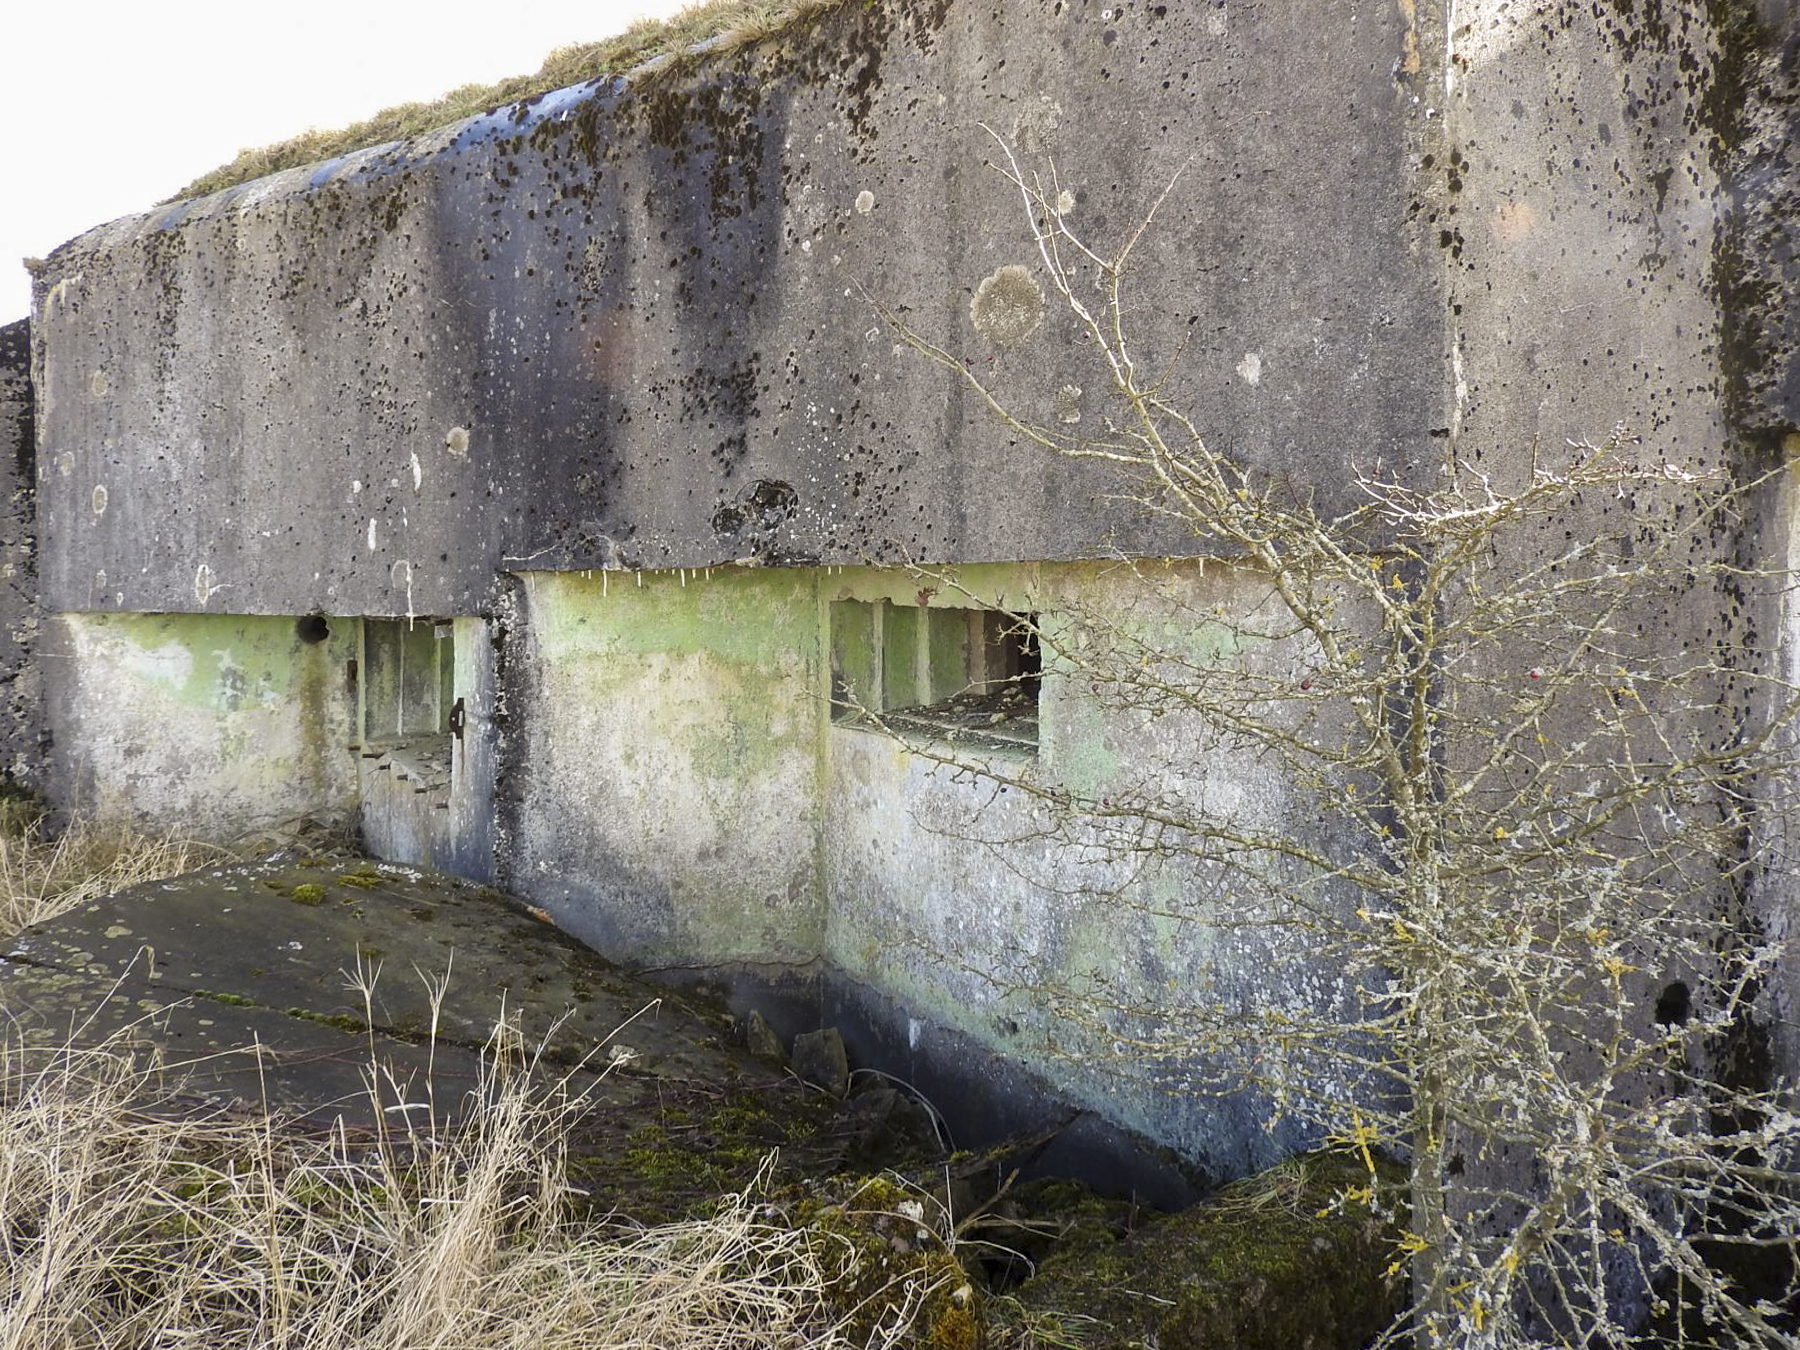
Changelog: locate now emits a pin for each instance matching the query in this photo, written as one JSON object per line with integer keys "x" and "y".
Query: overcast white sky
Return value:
{"x": 114, "y": 106}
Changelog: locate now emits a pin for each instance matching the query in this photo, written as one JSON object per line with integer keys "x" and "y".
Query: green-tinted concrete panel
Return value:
{"x": 946, "y": 652}
{"x": 853, "y": 652}
{"x": 209, "y": 723}
{"x": 975, "y": 903}
{"x": 901, "y": 685}
{"x": 409, "y": 670}
{"x": 667, "y": 762}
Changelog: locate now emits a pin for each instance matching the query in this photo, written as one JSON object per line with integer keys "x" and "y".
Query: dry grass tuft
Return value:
{"x": 733, "y": 23}
{"x": 127, "y": 1219}
{"x": 119, "y": 1226}
{"x": 45, "y": 873}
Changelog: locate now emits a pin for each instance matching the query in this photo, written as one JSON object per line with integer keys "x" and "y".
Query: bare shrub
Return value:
{"x": 1520, "y": 805}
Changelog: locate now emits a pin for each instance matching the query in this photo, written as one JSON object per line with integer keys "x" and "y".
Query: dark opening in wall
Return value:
{"x": 408, "y": 671}
{"x": 961, "y": 674}
{"x": 1674, "y": 1005}
{"x": 311, "y": 628}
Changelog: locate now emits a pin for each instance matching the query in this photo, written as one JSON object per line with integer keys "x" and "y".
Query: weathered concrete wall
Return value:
{"x": 1617, "y": 205}
{"x": 674, "y": 790}
{"x": 21, "y": 735}
{"x": 1756, "y": 125}
{"x": 620, "y": 327}
{"x": 659, "y": 783}
{"x": 213, "y": 724}
{"x": 1752, "y": 113}
{"x": 976, "y": 909}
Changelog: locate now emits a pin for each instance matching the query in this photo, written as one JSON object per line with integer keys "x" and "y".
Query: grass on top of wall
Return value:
{"x": 732, "y": 23}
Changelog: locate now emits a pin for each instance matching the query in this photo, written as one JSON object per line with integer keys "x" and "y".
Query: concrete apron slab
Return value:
{"x": 242, "y": 981}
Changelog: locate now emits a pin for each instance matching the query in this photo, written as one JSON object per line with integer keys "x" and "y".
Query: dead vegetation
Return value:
{"x": 132, "y": 1215}
{"x": 728, "y": 24}
{"x": 121, "y": 1225}
{"x": 45, "y": 872}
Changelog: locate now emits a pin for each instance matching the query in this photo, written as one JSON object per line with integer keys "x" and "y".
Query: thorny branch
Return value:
{"x": 1518, "y": 810}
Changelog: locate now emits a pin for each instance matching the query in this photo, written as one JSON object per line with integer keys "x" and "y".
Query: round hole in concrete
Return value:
{"x": 311, "y": 628}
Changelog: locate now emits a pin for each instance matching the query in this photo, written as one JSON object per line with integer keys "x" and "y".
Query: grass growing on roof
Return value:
{"x": 734, "y": 23}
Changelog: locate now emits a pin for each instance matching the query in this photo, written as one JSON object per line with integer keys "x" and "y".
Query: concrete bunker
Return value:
{"x": 680, "y": 450}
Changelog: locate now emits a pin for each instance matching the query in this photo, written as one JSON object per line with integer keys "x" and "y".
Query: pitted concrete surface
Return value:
{"x": 242, "y": 980}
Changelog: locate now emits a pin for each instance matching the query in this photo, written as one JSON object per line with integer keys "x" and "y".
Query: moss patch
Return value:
{"x": 230, "y": 1000}
{"x": 342, "y": 1021}
{"x": 308, "y": 893}
{"x": 1270, "y": 1263}
{"x": 889, "y": 1257}
{"x": 702, "y": 1144}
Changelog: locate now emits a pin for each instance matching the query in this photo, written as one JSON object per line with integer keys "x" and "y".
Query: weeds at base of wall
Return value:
{"x": 46, "y": 872}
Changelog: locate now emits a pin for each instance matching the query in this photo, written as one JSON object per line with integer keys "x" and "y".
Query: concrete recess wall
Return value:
{"x": 972, "y": 907}
{"x": 675, "y": 791}
{"x": 217, "y": 725}
{"x": 21, "y": 746}
{"x": 661, "y": 792}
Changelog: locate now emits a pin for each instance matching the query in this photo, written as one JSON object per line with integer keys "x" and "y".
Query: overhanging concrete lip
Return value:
{"x": 371, "y": 162}
{"x": 633, "y": 304}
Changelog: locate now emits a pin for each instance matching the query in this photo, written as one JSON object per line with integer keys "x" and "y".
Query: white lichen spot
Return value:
{"x": 456, "y": 441}
{"x": 1250, "y": 368}
{"x": 806, "y": 246}
{"x": 1008, "y": 306}
{"x": 1034, "y": 129}
{"x": 1068, "y": 403}
{"x": 1065, "y": 203}
{"x": 100, "y": 580}
{"x": 865, "y": 202}
{"x": 371, "y": 534}
{"x": 417, "y": 472}
{"x": 99, "y": 500}
{"x": 58, "y": 295}
{"x": 97, "y": 382}
{"x": 204, "y": 585}
{"x": 65, "y": 463}
{"x": 1215, "y": 22}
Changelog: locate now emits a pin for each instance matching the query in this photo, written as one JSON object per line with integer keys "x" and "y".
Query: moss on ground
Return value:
{"x": 703, "y": 1143}
{"x": 1275, "y": 1262}
{"x": 728, "y": 23}
{"x": 889, "y": 1256}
